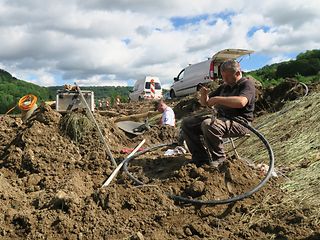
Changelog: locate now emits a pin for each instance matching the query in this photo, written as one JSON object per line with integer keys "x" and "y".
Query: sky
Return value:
{"x": 115, "y": 42}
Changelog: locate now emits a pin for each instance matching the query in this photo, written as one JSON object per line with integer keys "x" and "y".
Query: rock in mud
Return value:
{"x": 196, "y": 189}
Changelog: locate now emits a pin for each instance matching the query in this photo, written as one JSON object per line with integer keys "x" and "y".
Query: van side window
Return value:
{"x": 135, "y": 87}
{"x": 147, "y": 85}
{"x": 181, "y": 74}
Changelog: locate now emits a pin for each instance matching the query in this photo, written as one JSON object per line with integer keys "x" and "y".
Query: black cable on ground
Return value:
{"x": 125, "y": 165}
{"x": 214, "y": 202}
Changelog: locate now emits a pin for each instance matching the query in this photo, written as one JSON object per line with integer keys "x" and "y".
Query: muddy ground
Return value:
{"x": 50, "y": 187}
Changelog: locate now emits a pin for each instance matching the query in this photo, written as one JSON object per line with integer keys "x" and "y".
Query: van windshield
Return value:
{"x": 156, "y": 85}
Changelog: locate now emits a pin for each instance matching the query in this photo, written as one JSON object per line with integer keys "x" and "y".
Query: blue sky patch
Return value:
{"x": 256, "y": 61}
{"x": 226, "y": 16}
{"x": 126, "y": 40}
{"x": 179, "y": 22}
{"x": 253, "y": 62}
{"x": 182, "y": 21}
{"x": 256, "y": 28}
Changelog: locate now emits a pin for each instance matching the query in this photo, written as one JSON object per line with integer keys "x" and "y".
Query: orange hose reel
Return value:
{"x": 27, "y": 102}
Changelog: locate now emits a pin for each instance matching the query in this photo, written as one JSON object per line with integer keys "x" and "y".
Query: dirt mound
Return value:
{"x": 130, "y": 108}
{"x": 159, "y": 134}
{"x": 50, "y": 188}
{"x": 204, "y": 183}
{"x": 274, "y": 98}
{"x": 186, "y": 106}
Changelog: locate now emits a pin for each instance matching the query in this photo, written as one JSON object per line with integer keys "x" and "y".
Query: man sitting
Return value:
{"x": 234, "y": 98}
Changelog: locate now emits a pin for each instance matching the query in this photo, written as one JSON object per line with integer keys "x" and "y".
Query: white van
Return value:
{"x": 189, "y": 78}
{"x": 146, "y": 88}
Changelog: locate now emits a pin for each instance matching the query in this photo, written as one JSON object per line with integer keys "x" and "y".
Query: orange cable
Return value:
{"x": 32, "y": 99}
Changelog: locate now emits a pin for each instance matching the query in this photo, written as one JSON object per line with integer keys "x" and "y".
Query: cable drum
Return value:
{"x": 220, "y": 201}
{"x": 27, "y": 104}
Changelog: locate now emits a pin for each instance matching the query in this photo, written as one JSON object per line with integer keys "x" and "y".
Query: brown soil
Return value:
{"x": 274, "y": 98}
{"x": 50, "y": 188}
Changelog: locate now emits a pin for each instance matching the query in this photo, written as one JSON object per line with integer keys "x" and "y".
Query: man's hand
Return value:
{"x": 204, "y": 91}
{"x": 204, "y": 95}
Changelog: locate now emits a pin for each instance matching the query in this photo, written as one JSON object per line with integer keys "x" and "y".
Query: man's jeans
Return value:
{"x": 213, "y": 131}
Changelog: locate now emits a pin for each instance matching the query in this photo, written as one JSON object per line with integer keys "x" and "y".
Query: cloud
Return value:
{"x": 102, "y": 42}
{"x": 40, "y": 77}
{"x": 278, "y": 59}
{"x": 101, "y": 80}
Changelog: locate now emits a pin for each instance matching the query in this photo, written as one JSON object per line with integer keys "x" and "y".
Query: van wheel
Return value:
{"x": 172, "y": 94}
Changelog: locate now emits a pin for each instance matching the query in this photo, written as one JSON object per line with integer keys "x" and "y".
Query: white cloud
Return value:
{"x": 278, "y": 59}
{"x": 40, "y": 77}
{"x": 98, "y": 80}
{"x": 104, "y": 42}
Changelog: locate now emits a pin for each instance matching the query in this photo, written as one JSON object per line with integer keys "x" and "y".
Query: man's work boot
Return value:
{"x": 216, "y": 163}
{"x": 199, "y": 161}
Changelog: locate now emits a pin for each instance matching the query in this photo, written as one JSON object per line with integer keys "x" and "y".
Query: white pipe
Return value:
{"x": 115, "y": 172}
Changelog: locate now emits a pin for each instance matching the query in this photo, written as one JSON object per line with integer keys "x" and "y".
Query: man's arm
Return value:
{"x": 246, "y": 94}
{"x": 231, "y": 101}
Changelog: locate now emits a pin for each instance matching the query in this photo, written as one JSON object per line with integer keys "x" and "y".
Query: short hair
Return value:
{"x": 157, "y": 103}
{"x": 230, "y": 65}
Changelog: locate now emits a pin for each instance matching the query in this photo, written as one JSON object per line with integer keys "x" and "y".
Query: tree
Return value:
{"x": 309, "y": 54}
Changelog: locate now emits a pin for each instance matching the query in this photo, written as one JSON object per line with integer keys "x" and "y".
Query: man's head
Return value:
{"x": 230, "y": 71}
{"x": 160, "y": 105}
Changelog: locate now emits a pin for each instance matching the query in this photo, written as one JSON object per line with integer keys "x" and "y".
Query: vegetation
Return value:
{"x": 294, "y": 137}
{"x": 76, "y": 125}
{"x": 306, "y": 68}
{"x": 12, "y": 89}
{"x": 100, "y": 93}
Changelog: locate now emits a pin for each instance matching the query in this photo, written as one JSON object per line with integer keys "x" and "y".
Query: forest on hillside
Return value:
{"x": 305, "y": 68}
{"x": 12, "y": 89}
{"x": 101, "y": 92}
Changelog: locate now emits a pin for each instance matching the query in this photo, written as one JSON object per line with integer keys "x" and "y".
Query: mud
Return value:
{"x": 274, "y": 98}
{"x": 50, "y": 188}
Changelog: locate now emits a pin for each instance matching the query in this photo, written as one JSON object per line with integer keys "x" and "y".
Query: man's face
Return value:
{"x": 229, "y": 77}
{"x": 161, "y": 107}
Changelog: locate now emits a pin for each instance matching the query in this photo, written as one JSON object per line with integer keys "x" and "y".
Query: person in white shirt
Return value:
{"x": 168, "y": 116}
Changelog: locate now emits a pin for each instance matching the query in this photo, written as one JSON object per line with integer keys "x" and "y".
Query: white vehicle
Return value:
{"x": 189, "y": 78}
{"x": 146, "y": 88}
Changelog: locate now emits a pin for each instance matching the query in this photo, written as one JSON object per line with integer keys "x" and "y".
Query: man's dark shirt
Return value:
{"x": 244, "y": 87}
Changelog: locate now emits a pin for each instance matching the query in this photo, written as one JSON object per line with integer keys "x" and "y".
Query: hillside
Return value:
{"x": 305, "y": 68}
{"x": 12, "y": 89}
